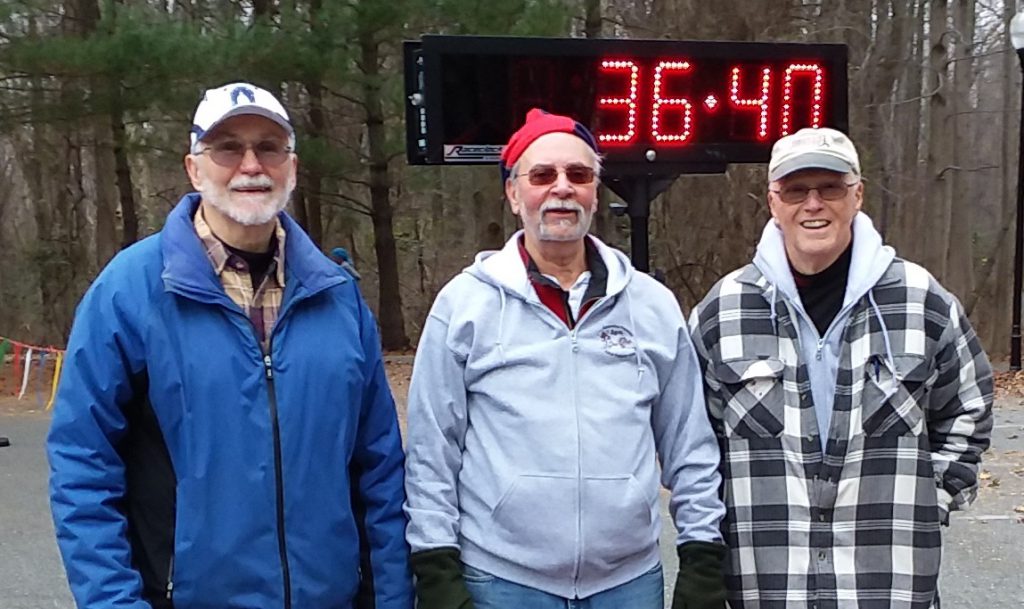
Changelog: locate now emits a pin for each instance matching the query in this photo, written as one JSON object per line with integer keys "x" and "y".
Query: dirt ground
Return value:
{"x": 399, "y": 370}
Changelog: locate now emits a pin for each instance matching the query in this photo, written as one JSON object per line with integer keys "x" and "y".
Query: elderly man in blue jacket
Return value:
{"x": 550, "y": 380}
{"x": 224, "y": 435}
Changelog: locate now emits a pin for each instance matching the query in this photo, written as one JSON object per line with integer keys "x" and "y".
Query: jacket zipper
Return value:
{"x": 576, "y": 405}
{"x": 170, "y": 577}
{"x": 279, "y": 478}
{"x": 579, "y": 466}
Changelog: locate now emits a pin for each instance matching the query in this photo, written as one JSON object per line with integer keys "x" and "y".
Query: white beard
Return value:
{"x": 564, "y": 229}
{"x": 252, "y": 209}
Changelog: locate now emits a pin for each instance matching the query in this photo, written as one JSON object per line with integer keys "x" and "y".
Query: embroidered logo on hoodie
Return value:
{"x": 617, "y": 341}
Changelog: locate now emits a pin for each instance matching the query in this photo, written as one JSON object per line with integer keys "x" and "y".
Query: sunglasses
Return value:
{"x": 827, "y": 192}
{"x": 229, "y": 153}
{"x": 545, "y": 175}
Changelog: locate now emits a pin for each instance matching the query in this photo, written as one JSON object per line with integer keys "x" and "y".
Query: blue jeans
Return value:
{"x": 490, "y": 592}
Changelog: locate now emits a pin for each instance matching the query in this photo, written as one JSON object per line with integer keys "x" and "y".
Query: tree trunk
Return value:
{"x": 125, "y": 185}
{"x": 592, "y": 18}
{"x": 314, "y": 182}
{"x": 907, "y": 118}
{"x": 891, "y": 39}
{"x": 314, "y": 177}
{"x": 106, "y": 239}
{"x": 390, "y": 314}
{"x": 960, "y": 253}
{"x": 940, "y": 143}
{"x": 106, "y": 197}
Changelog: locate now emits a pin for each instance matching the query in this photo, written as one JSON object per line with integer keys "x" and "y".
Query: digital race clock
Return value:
{"x": 656, "y": 106}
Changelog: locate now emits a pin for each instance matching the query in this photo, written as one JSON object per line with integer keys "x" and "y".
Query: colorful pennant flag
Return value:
{"x": 23, "y": 357}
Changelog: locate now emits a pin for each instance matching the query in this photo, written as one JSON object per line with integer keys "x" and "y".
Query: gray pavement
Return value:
{"x": 31, "y": 573}
{"x": 982, "y": 564}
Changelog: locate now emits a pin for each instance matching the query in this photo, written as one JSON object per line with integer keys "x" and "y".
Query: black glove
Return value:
{"x": 439, "y": 583}
{"x": 700, "y": 583}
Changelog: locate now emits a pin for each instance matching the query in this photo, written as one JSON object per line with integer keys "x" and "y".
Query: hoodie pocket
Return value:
{"x": 890, "y": 403}
{"x": 754, "y": 397}
{"x": 534, "y": 522}
{"x": 618, "y": 522}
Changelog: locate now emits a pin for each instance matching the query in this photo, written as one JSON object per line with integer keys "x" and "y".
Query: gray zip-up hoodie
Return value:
{"x": 868, "y": 263}
{"x": 534, "y": 448}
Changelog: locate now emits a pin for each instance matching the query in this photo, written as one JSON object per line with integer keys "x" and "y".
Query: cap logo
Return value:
{"x": 246, "y": 91}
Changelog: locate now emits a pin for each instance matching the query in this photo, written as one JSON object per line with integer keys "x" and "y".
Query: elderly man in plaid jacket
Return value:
{"x": 850, "y": 395}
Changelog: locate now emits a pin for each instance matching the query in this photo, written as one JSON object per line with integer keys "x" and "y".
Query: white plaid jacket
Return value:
{"x": 858, "y": 525}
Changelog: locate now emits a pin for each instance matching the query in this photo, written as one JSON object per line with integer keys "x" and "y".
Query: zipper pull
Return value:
{"x": 170, "y": 578}
{"x": 268, "y": 366}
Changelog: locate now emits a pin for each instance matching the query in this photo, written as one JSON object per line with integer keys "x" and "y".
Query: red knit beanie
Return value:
{"x": 538, "y": 123}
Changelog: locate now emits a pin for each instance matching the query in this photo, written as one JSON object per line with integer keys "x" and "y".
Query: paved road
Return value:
{"x": 31, "y": 574}
{"x": 981, "y": 566}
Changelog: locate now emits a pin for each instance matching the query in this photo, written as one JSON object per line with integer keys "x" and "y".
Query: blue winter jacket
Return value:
{"x": 190, "y": 470}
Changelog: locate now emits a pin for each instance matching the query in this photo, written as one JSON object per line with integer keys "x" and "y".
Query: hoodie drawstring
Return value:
{"x": 501, "y": 326}
{"x": 885, "y": 332}
{"x": 771, "y": 301}
{"x": 636, "y": 338}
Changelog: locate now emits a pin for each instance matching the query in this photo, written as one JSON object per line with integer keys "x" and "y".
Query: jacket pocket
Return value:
{"x": 753, "y": 396}
{"x": 534, "y": 522}
{"x": 472, "y": 575}
{"x": 617, "y": 522}
{"x": 893, "y": 390}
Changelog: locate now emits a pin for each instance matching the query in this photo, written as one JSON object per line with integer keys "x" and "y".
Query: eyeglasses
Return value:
{"x": 229, "y": 153}
{"x": 826, "y": 192}
{"x": 545, "y": 175}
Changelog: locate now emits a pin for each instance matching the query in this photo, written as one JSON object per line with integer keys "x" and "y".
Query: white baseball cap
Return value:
{"x": 813, "y": 148}
{"x": 235, "y": 99}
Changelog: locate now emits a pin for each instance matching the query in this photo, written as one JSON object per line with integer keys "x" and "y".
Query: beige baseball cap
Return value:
{"x": 813, "y": 148}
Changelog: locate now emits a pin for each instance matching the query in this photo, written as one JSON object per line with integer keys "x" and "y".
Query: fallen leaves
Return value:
{"x": 989, "y": 480}
{"x": 1009, "y": 384}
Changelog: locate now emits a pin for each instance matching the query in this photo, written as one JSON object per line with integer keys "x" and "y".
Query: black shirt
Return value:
{"x": 822, "y": 293}
{"x": 257, "y": 262}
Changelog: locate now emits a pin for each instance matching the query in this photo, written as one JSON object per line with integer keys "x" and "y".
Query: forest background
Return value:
{"x": 96, "y": 99}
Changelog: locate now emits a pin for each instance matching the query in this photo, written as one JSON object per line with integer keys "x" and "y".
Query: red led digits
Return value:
{"x": 686, "y": 103}
{"x": 758, "y": 103}
{"x": 817, "y": 74}
{"x": 660, "y": 74}
{"x": 627, "y": 103}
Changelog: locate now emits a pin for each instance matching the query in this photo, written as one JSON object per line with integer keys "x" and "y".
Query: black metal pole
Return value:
{"x": 1018, "y": 255}
{"x": 639, "y": 212}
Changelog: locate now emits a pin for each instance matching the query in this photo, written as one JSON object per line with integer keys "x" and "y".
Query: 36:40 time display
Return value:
{"x": 657, "y": 102}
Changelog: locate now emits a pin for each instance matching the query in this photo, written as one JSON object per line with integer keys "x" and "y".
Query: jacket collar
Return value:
{"x": 187, "y": 269}
{"x": 505, "y": 268}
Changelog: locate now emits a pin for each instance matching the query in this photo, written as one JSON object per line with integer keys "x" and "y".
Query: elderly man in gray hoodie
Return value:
{"x": 850, "y": 395}
{"x": 550, "y": 380}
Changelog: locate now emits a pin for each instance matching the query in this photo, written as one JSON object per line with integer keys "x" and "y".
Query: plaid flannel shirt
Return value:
{"x": 261, "y": 304}
{"x": 858, "y": 524}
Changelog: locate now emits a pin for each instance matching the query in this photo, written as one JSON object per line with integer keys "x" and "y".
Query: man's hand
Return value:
{"x": 701, "y": 580}
{"x": 439, "y": 583}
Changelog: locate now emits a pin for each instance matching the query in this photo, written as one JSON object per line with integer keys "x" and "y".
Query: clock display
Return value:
{"x": 654, "y": 104}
